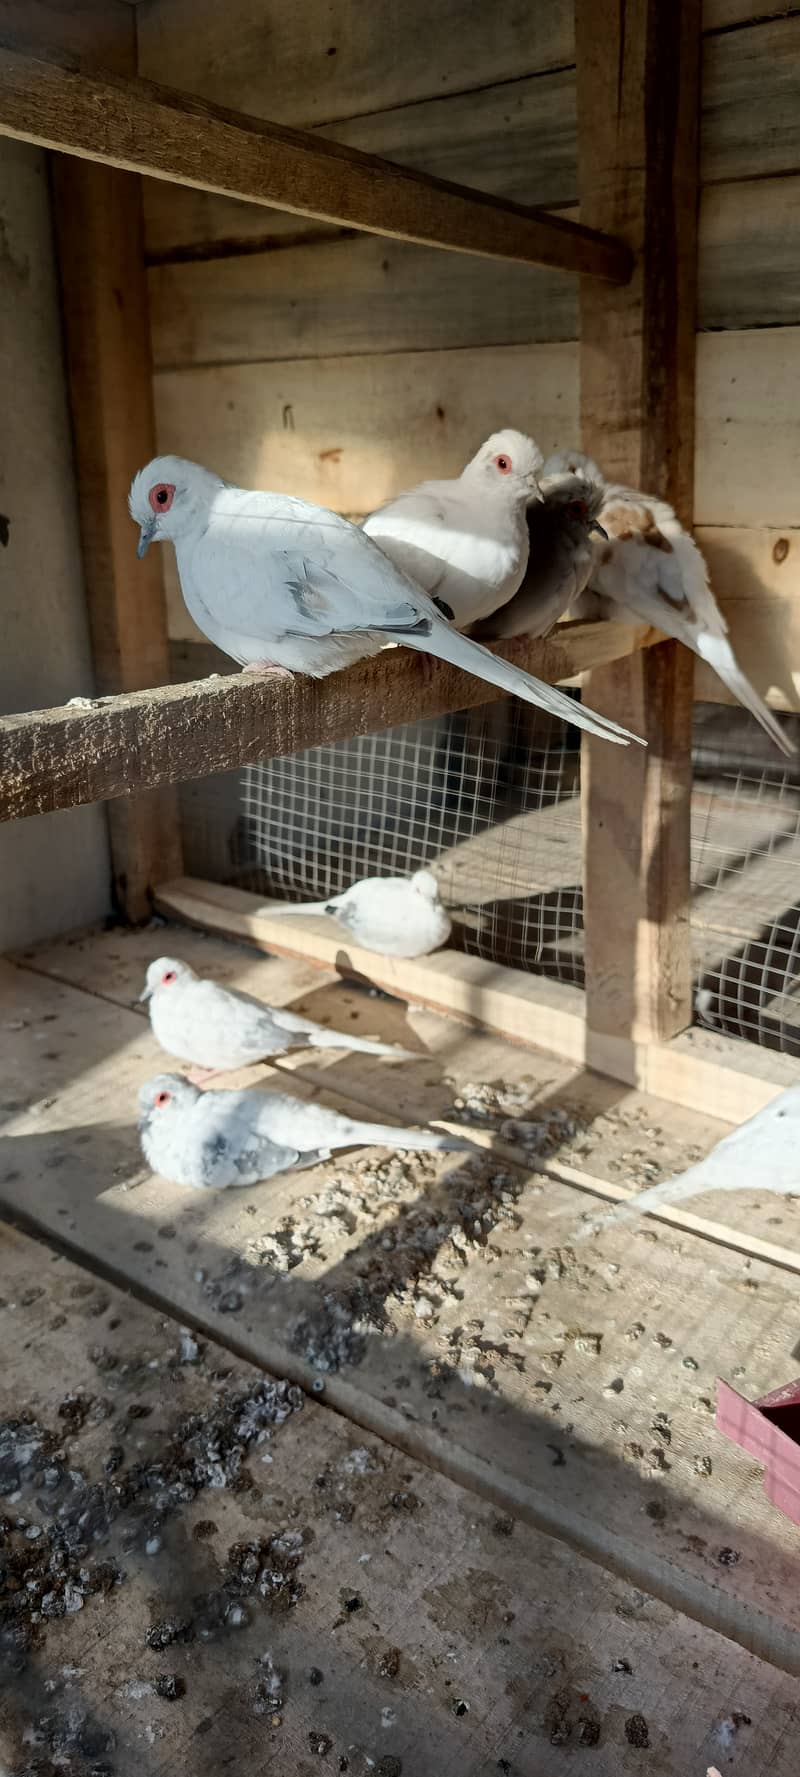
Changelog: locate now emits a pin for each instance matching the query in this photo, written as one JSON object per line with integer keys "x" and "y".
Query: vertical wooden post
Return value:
{"x": 98, "y": 218}
{"x": 638, "y": 96}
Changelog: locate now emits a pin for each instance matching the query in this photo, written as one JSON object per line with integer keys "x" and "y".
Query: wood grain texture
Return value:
{"x": 639, "y": 166}
{"x": 101, "y": 32}
{"x": 363, "y": 295}
{"x": 303, "y": 65}
{"x": 121, "y": 745}
{"x": 148, "y": 129}
{"x": 104, "y": 296}
{"x": 751, "y": 93}
{"x": 518, "y": 139}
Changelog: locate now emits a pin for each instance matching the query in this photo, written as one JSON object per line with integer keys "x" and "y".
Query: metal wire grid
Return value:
{"x": 490, "y": 800}
{"x": 746, "y": 905}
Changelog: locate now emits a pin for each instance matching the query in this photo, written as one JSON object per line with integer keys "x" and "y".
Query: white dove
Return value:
{"x": 221, "y": 1138}
{"x": 651, "y": 567}
{"x": 274, "y": 581}
{"x": 560, "y": 560}
{"x": 763, "y": 1154}
{"x": 465, "y": 542}
{"x": 219, "y": 1029}
{"x": 393, "y": 915}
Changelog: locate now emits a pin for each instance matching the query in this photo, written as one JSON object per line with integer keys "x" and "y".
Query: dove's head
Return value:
{"x": 169, "y": 499}
{"x": 578, "y": 500}
{"x": 573, "y": 462}
{"x": 163, "y": 974}
{"x": 164, "y": 1096}
{"x": 509, "y": 462}
{"x": 424, "y": 884}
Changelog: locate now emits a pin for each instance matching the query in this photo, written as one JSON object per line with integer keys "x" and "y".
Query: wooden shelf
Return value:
{"x": 118, "y": 746}
{"x": 166, "y": 135}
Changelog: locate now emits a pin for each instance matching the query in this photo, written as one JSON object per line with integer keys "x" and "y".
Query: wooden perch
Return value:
{"x": 150, "y": 129}
{"x": 117, "y": 746}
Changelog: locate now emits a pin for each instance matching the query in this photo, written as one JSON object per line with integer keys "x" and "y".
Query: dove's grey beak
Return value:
{"x": 146, "y": 536}
{"x": 594, "y": 526}
{"x": 146, "y": 992}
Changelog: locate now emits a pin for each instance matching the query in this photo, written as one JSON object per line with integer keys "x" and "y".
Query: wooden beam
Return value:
{"x": 104, "y": 298}
{"x": 117, "y": 746}
{"x": 638, "y": 101}
{"x": 144, "y": 128}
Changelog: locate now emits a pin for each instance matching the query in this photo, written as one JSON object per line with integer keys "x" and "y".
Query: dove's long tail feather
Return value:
{"x": 718, "y": 653}
{"x": 302, "y": 907}
{"x": 335, "y": 1039}
{"x": 473, "y": 658}
{"x": 671, "y": 1190}
{"x": 385, "y": 1135}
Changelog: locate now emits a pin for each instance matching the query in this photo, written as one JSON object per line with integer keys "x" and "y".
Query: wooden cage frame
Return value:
{"x": 635, "y": 252}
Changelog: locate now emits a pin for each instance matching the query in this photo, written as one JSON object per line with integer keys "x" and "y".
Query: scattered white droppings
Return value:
{"x": 388, "y": 1717}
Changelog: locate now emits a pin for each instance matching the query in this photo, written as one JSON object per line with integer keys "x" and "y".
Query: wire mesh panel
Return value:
{"x": 487, "y": 798}
{"x": 746, "y": 905}
{"x": 490, "y": 800}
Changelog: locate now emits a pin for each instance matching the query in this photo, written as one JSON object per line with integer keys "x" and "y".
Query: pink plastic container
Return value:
{"x": 768, "y": 1429}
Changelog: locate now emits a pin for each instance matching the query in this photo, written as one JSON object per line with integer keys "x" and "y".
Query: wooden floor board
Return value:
{"x": 417, "y": 1629}
{"x": 454, "y": 1311}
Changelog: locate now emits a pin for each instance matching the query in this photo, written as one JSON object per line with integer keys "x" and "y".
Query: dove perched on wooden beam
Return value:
{"x": 219, "y": 1029}
{"x": 650, "y": 567}
{"x": 393, "y": 915}
{"x": 212, "y": 1140}
{"x": 465, "y": 542}
{"x": 276, "y": 582}
{"x": 561, "y": 556}
{"x": 763, "y": 1154}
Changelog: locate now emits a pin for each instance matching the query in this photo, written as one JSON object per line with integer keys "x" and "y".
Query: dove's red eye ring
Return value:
{"x": 578, "y": 509}
{"x": 170, "y": 976}
{"x": 161, "y": 496}
{"x": 162, "y": 1098}
{"x": 503, "y": 464}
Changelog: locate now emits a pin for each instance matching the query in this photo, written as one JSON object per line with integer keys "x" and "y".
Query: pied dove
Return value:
{"x": 650, "y": 566}
{"x": 275, "y": 581}
{"x": 221, "y": 1138}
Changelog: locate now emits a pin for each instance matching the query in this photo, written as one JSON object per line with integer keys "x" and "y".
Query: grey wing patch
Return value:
{"x": 346, "y": 915}
{"x": 264, "y": 1160}
{"x": 316, "y": 591}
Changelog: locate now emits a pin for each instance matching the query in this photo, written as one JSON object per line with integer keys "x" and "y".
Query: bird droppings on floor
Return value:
{"x": 442, "y": 1301}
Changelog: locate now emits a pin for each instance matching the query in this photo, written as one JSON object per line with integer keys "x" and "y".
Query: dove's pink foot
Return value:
{"x": 262, "y": 667}
{"x": 202, "y": 1076}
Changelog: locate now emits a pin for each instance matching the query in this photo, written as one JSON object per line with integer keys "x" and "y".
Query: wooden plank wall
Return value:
{"x": 342, "y": 368}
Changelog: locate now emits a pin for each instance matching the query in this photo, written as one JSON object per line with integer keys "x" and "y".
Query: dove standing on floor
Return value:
{"x": 650, "y": 567}
{"x": 219, "y": 1138}
{"x": 393, "y": 915}
{"x": 763, "y": 1154}
{"x": 219, "y": 1029}
{"x": 465, "y": 542}
{"x": 560, "y": 559}
{"x": 274, "y": 581}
